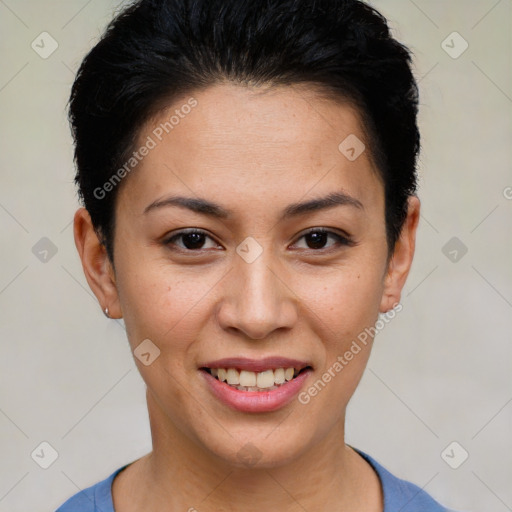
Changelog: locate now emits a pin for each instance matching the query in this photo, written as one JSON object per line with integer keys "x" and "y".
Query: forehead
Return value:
{"x": 261, "y": 142}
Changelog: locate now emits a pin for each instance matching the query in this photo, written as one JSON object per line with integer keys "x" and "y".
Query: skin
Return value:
{"x": 253, "y": 151}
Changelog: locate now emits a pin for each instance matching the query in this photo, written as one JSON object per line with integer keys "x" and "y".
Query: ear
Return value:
{"x": 98, "y": 269}
{"x": 401, "y": 259}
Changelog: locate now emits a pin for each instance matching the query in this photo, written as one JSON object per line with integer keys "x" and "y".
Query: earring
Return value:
{"x": 106, "y": 313}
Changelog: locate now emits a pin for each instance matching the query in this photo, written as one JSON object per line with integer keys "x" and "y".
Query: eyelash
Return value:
{"x": 342, "y": 240}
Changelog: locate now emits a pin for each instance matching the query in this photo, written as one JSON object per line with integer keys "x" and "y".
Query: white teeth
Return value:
{"x": 247, "y": 378}
{"x": 252, "y": 381}
{"x": 265, "y": 379}
{"x": 279, "y": 376}
{"x": 233, "y": 377}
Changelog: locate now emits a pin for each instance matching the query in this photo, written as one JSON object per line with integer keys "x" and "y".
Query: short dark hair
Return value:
{"x": 155, "y": 50}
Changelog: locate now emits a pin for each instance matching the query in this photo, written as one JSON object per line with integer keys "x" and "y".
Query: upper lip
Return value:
{"x": 256, "y": 365}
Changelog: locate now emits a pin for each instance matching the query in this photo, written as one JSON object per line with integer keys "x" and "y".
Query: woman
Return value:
{"x": 247, "y": 171}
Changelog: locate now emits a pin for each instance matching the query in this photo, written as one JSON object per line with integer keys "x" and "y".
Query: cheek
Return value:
{"x": 342, "y": 307}
{"x": 164, "y": 304}
{"x": 345, "y": 302}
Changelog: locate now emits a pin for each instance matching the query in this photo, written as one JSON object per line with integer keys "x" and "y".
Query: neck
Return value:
{"x": 181, "y": 475}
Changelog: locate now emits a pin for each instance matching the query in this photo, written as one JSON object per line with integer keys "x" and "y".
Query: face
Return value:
{"x": 271, "y": 270}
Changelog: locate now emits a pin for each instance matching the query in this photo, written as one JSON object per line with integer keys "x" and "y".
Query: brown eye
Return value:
{"x": 317, "y": 239}
{"x": 191, "y": 240}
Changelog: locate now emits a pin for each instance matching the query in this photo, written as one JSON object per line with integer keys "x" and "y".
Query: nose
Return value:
{"x": 257, "y": 300}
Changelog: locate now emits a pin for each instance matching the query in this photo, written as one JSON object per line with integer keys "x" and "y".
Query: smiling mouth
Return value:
{"x": 245, "y": 380}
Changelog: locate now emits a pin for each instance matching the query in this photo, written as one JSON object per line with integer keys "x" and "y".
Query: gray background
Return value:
{"x": 440, "y": 371}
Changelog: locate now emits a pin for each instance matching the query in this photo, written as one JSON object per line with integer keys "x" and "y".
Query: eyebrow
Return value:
{"x": 214, "y": 210}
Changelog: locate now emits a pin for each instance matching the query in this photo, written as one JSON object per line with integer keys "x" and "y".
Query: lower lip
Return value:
{"x": 256, "y": 401}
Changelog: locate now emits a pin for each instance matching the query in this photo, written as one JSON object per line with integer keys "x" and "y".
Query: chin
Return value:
{"x": 260, "y": 450}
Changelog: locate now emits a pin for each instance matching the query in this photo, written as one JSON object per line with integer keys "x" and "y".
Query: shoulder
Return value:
{"x": 400, "y": 494}
{"x": 97, "y": 498}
